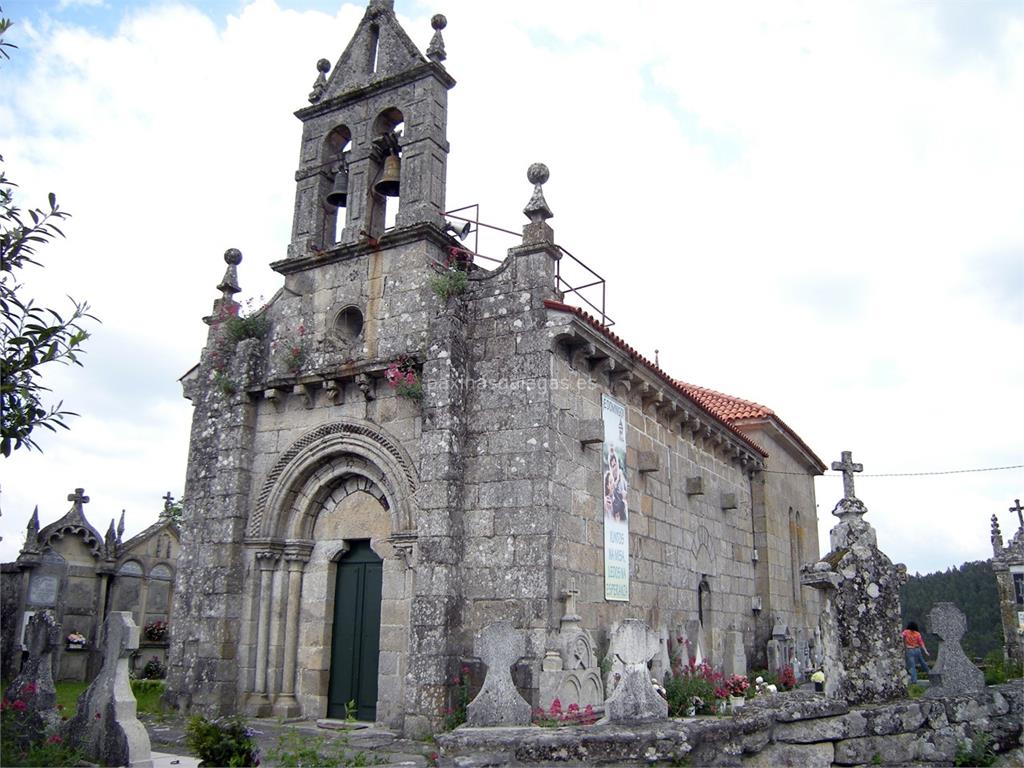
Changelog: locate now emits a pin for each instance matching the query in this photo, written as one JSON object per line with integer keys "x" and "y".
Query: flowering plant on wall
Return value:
{"x": 156, "y": 630}
{"x": 402, "y": 377}
{"x": 451, "y": 278}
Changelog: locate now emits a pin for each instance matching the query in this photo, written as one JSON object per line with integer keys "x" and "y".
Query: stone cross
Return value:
{"x": 105, "y": 725}
{"x": 78, "y": 497}
{"x": 500, "y": 646}
{"x": 570, "y": 594}
{"x": 1019, "y": 510}
{"x": 168, "y": 500}
{"x": 34, "y": 683}
{"x": 847, "y": 467}
{"x": 953, "y": 673}
{"x": 634, "y": 699}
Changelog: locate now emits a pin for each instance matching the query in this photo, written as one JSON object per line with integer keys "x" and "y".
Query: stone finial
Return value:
{"x": 32, "y": 532}
{"x": 110, "y": 540}
{"x": 120, "y": 527}
{"x": 323, "y": 66}
{"x": 34, "y": 683}
{"x": 1020, "y": 512}
{"x": 847, "y": 467}
{"x": 571, "y": 593}
{"x": 537, "y": 208}
{"x": 105, "y": 725}
{"x": 500, "y": 646}
{"x": 953, "y": 672}
{"x": 435, "y": 51}
{"x": 229, "y": 284}
{"x": 78, "y": 498}
{"x": 997, "y": 535}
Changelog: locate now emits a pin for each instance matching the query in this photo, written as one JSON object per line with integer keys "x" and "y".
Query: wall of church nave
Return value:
{"x": 676, "y": 539}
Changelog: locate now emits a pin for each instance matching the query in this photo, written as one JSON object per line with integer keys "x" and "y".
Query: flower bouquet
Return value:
{"x": 156, "y": 630}
{"x": 76, "y": 640}
{"x": 818, "y": 678}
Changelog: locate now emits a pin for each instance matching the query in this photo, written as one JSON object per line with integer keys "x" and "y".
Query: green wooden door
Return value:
{"x": 355, "y": 646}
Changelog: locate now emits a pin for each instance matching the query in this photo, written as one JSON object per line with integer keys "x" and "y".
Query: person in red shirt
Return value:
{"x": 913, "y": 645}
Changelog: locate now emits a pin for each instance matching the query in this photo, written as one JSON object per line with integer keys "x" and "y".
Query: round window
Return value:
{"x": 349, "y": 323}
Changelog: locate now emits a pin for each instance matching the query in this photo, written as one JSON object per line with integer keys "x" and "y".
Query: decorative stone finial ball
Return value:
{"x": 323, "y": 66}
{"x": 537, "y": 173}
{"x": 438, "y": 21}
{"x": 233, "y": 256}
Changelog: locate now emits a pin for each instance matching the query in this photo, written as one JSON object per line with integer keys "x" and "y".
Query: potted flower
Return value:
{"x": 76, "y": 641}
{"x": 818, "y": 678}
{"x": 156, "y": 630}
{"x": 736, "y": 686}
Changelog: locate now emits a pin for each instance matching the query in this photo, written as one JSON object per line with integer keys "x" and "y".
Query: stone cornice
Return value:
{"x": 429, "y": 69}
{"x": 345, "y": 251}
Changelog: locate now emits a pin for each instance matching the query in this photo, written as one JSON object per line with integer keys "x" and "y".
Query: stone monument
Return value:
{"x": 953, "y": 673}
{"x": 570, "y": 671}
{"x": 863, "y": 658}
{"x": 634, "y": 699}
{"x": 105, "y": 725}
{"x": 1008, "y": 566}
{"x": 499, "y": 646}
{"x": 34, "y": 684}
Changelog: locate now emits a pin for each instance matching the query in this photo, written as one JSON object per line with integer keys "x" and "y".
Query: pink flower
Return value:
{"x": 54, "y": 739}
{"x": 19, "y": 705}
{"x": 29, "y": 688}
{"x": 410, "y": 377}
{"x": 556, "y": 707}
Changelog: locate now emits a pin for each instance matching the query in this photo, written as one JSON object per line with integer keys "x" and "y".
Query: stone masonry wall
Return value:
{"x": 787, "y": 729}
{"x": 788, "y": 512}
{"x": 675, "y": 537}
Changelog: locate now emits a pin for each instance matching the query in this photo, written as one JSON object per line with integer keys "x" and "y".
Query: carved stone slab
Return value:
{"x": 499, "y": 646}
{"x": 34, "y": 684}
{"x": 953, "y": 673}
{"x": 105, "y": 725}
{"x": 634, "y": 699}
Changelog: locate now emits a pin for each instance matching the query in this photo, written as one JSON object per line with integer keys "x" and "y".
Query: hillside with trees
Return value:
{"x": 972, "y": 588}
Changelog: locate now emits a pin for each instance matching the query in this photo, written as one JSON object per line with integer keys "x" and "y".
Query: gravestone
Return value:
{"x": 634, "y": 699}
{"x": 861, "y": 647}
{"x": 570, "y": 671}
{"x": 499, "y": 646}
{"x": 34, "y": 684}
{"x": 105, "y": 725}
{"x": 735, "y": 654}
{"x": 953, "y": 673}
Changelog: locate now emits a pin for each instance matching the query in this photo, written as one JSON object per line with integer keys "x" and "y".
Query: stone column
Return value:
{"x": 266, "y": 561}
{"x": 286, "y": 705}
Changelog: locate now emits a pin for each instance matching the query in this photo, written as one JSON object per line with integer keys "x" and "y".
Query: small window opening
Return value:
{"x": 348, "y": 323}
{"x": 374, "y": 47}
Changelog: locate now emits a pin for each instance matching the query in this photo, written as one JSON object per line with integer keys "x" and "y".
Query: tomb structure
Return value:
{"x": 1008, "y": 566}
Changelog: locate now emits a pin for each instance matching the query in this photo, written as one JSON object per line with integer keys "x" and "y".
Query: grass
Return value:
{"x": 68, "y": 692}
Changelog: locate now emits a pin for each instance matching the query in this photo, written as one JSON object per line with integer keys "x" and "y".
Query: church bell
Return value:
{"x": 339, "y": 192}
{"x": 389, "y": 184}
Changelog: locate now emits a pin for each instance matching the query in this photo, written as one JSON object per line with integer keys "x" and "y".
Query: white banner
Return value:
{"x": 615, "y": 490}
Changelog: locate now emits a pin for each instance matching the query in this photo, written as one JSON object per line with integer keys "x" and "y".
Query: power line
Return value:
{"x": 903, "y": 474}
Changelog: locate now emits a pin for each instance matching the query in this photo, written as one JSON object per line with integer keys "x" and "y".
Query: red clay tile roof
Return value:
{"x": 636, "y": 356}
{"x": 726, "y": 407}
{"x": 734, "y": 410}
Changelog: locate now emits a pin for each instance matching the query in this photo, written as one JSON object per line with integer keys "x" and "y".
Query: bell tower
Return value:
{"x": 373, "y": 138}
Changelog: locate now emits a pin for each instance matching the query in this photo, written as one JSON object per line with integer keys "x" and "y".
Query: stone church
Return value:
{"x": 405, "y": 445}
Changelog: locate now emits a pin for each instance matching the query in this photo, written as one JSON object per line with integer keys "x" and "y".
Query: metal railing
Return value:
{"x": 593, "y": 282}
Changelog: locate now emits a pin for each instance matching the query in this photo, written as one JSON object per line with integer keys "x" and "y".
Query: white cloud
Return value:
{"x": 819, "y": 198}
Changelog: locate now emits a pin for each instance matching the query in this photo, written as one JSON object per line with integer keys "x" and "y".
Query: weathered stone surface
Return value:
{"x": 846, "y": 726}
{"x": 953, "y": 672}
{"x": 499, "y": 645}
{"x": 793, "y": 756}
{"x": 634, "y": 699}
{"x": 34, "y": 684}
{"x": 881, "y": 750}
{"x": 896, "y": 718}
{"x": 105, "y": 724}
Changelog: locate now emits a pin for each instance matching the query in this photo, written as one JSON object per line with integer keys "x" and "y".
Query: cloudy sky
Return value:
{"x": 816, "y": 206}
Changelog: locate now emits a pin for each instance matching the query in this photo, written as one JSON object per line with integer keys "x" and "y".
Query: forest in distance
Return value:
{"x": 972, "y": 588}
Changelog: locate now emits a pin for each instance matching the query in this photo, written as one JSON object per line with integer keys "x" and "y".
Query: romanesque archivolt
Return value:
{"x": 373, "y": 454}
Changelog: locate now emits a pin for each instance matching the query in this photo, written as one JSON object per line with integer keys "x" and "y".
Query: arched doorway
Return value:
{"x": 355, "y": 639}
